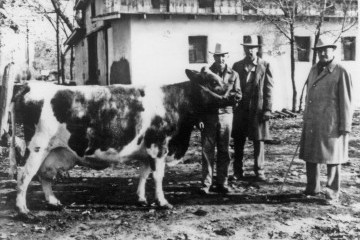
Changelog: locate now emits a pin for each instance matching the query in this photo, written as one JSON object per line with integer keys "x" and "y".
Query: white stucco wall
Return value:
{"x": 120, "y": 45}
{"x": 81, "y": 73}
{"x": 101, "y": 53}
{"x": 159, "y": 50}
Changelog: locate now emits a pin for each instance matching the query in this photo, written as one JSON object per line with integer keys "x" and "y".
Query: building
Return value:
{"x": 154, "y": 41}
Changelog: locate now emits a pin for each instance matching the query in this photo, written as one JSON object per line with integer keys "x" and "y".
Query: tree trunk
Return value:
{"x": 62, "y": 56}
{"x": 71, "y": 63}
{"x": 56, "y": 4}
{"x": 317, "y": 36}
{"x": 57, "y": 49}
{"x": 292, "y": 60}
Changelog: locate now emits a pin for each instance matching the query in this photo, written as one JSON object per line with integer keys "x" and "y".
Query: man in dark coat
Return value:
{"x": 327, "y": 121}
{"x": 251, "y": 117}
{"x": 218, "y": 124}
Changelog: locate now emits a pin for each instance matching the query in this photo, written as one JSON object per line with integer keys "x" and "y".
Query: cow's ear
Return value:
{"x": 192, "y": 74}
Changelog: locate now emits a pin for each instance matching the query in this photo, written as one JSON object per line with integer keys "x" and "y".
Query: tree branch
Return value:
{"x": 56, "y": 5}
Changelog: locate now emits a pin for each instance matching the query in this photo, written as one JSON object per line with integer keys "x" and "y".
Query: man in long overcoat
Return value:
{"x": 327, "y": 121}
{"x": 251, "y": 117}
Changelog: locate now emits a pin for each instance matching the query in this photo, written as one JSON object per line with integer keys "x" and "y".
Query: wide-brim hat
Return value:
{"x": 219, "y": 50}
{"x": 251, "y": 41}
{"x": 324, "y": 43}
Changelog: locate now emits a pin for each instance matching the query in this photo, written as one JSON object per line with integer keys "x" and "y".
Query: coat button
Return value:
{"x": 314, "y": 85}
{"x": 310, "y": 101}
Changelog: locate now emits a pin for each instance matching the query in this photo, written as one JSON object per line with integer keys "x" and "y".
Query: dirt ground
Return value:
{"x": 101, "y": 204}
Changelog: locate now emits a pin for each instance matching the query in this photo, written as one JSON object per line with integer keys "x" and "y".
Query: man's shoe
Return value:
{"x": 311, "y": 193}
{"x": 261, "y": 177}
{"x": 224, "y": 189}
{"x": 236, "y": 177}
{"x": 331, "y": 194}
{"x": 204, "y": 190}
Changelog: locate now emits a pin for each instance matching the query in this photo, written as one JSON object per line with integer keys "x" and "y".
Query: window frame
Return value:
{"x": 204, "y": 49}
{"x": 352, "y": 51}
{"x": 308, "y": 49}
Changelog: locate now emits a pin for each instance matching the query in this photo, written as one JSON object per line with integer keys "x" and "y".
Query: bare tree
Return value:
{"x": 347, "y": 22}
{"x": 290, "y": 13}
{"x": 59, "y": 21}
{"x": 284, "y": 20}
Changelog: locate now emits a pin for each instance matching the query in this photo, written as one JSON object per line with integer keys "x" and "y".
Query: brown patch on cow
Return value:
{"x": 66, "y": 105}
{"x": 29, "y": 112}
{"x": 181, "y": 116}
{"x": 116, "y": 121}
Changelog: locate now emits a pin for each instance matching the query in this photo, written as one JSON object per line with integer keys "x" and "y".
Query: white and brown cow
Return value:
{"x": 98, "y": 126}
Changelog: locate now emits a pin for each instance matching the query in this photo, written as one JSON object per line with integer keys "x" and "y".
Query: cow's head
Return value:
{"x": 205, "y": 78}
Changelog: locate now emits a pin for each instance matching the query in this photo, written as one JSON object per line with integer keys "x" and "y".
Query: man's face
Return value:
{"x": 326, "y": 54}
{"x": 220, "y": 60}
{"x": 251, "y": 52}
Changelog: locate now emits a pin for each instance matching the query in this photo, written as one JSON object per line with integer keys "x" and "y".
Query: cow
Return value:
{"x": 99, "y": 126}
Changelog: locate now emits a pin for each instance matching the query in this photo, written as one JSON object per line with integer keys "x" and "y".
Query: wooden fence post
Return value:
{"x": 7, "y": 89}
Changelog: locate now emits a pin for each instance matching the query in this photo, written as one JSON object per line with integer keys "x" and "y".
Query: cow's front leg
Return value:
{"x": 158, "y": 176}
{"x": 33, "y": 163}
{"x": 144, "y": 174}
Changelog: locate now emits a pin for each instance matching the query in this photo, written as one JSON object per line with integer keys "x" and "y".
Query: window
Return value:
{"x": 348, "y": 48}
{"x": 248, "y": 9}
{"x": 206, "y": 3}
{"x": 302, "y": 49}
{"x": 155, "y": 4}
{"x": 198, "y": 49}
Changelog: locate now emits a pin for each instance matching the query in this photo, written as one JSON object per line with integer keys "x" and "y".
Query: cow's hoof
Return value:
{"x": 22, "y": 210}
{"x": 27, "y": 217}
{"x": 165, "y": 206}
{"x": 55, "y": 207}
{"x": 142, "y": 203}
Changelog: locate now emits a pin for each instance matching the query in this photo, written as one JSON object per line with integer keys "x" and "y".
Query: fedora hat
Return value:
{"x": 251, "y": 41}
{"x": 218, "y": 50}
{"x": 324, "y": 43}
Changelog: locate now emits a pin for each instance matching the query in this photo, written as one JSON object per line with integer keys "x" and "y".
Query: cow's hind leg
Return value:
{"x": 144, "y": 174}
{"x": 33, "y": 163}
{"x": 59, "y": 161}
{"x": 49, "y": 194}
{"x": 158, "y": 176}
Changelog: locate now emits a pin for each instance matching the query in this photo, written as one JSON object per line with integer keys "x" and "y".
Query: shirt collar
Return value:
{"x": 331, "y": 65}
{"x": 254, "y": 62}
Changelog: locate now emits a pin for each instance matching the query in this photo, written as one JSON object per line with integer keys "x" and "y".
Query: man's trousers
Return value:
{"x": 216, "y": 133}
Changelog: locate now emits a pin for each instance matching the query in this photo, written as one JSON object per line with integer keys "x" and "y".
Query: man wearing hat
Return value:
{"x": 251, "y": 116}
{"x": 217, "y": 123}
{"x": 327, "y": 121}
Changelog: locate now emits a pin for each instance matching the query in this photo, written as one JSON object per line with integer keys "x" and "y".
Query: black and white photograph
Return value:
{"x": 179, "y": 119}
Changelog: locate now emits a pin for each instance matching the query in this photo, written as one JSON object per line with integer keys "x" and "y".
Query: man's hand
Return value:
{"x": 205, "y": 89}
{"x": 266, "y": 116}
{"x": 234, "y": 98}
